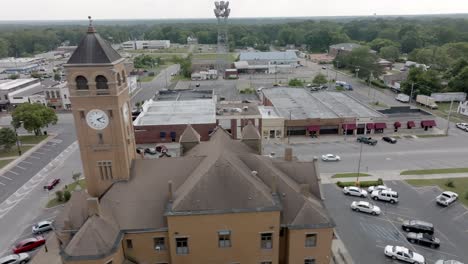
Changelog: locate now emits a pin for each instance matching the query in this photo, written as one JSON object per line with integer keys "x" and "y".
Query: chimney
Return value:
{"x": 171, "y": 193}
{"x": 288, "y": 154}
{"x": 94, "y": 208}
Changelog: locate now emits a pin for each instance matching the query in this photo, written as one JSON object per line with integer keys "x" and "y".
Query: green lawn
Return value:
{"x": 71, "y": 187}
{"x": 3, "y": 163}
{"x": 350, "y": 175}
{"x": 13, "y": 151}
{"x": 443, "y": 110}
{"x": 31, "y": 139}
{"x": 431, "y": 135}
{"x": 460, "y": 186}
{"x": 435, "y": 171}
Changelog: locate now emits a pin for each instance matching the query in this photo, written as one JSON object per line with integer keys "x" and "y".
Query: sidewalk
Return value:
{"x": 390, "y": 176}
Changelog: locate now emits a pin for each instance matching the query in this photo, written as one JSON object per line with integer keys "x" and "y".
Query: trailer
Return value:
{"x": 448, "y": 97}
{"x": 426, "y": 101}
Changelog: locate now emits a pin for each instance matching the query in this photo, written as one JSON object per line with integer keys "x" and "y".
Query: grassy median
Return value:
{"x": 460, "y": 186}
{"x": 71, "y": 187}
{"x": 435, "y": 171}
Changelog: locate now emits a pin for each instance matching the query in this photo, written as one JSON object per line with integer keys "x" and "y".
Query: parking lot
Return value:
{"x": 365, "y": 236}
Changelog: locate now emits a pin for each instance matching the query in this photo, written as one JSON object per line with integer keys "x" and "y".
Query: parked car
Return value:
{"x": 324, "y": 68}
{"x": 446, "y": 198}
{"x": 51, "y": 184}
{"x": 331, "y": 157}
{"x": 151, "y": 151}
{"x": 366, "y": 207}
{"x": 385, "y": 195}
{"x": 423, "y": 239}
{"x": 28, "y": 244}
{"x": 367, "y": 140}
{"x": 15, "y": 259}
{"x": 404, "y": 254}
{"x": 377, "y": 188}
{"x": 462, "y": 126}
{"x": 42, "y": 227}
{"x": 417, "y": 226}
{"x": 441, "y": 261}
{"x": 355, "y": 191}
{"x": 322, "y": 87}
{"x": 390, "y": 140}
{"x": 140, "y": 150}
{"x": 197, "y": 85}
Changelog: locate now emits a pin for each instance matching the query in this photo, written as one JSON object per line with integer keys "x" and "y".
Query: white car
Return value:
{"x": 331, "y": 157}
{"x": 366, "y": 207}
{"x": 42, "y": 227}
{"x": 441, "y": 261}
{"x": 355, "y": 191}
{"x": 462, "y": 126}
{"x": 404, "y": 254}
{"x": 446, "y": 198}
{"x": 385, "y": 195}
{"x": 15, "y": 259}
{"x": 377, "y": 188}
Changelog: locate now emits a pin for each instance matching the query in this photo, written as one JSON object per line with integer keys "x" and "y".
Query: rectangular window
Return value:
{"x": 182, "y": 247}
{"x": 266, "y": 262}
{"x": 100, "y": 138}
{"x": 224, "y": 239}
{"x": 162, "y": 134}
{"x": 266, "y": 240}
{"x": 309, "y": 261}
{"x": 159, "y": 243}
{"x": 129, "y": 243}
{"x": 311, "y": 240}
{"x": 105, "y": 170}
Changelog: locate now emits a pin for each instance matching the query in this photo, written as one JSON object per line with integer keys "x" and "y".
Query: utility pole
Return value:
{"x": 411, "y": 95}
{"x": 289, "y": 134}
{"x": 448, "y": 118}
{"x": 276, "y": 74}
{"x": 336, "y": 70}
{"x": 346, "y": 131}
{"x": 359, "y": 165}
{"x": 357, "y": 72}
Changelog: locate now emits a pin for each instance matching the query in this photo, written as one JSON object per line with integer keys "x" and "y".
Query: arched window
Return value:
{"x": 123, "y": 77}
{"x": 81, "y": 83}
{"x": 101, "y": 82}
{"x": 119, "y": 82}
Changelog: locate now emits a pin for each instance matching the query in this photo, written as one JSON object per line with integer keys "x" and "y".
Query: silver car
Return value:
{"x": 355, "y": 191}
{"x": 365, "y": 207}
{"x": 15, "y": 259}
{"x": 42, "y": 227}
{"x": 446, "y": 198}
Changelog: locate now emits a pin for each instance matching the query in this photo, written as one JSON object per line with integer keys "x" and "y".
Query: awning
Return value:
{"x": 349, "y": 126}
{"x": 411, "y": 124}
{"x": 380, "y": 125}
{"x": 370, "y": 126}
{"x": 397, "y": 124}
{"x": 428, "y": 123}
{"x": 313, "y": 128}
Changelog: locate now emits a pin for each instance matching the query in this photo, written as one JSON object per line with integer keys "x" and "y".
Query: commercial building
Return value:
{"x": 272, "y": 123}
{"x": 394, "y": 80}
{"x": 9, "y": 86}
{"x": 342, "y": 48}
{"x": 57, "y": 96}
{"x": 192, "y": 40}
{"x": 146, "y": 44}
{"x": 19, "y": 65}
{"x": 268, "y": 62}
{"x": 234, "y": 116}
{"x": 23, "y": 95}
{"x": 220, "y": 202}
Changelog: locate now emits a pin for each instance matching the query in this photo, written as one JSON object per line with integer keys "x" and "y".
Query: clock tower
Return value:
{"x": 100, "y": 104}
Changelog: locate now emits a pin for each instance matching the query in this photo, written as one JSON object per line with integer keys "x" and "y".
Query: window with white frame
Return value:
{"x": 159, "y": 243}
{"x": 224, "y": 238}
{"x": 266, "y": 240}
{"x": 311, "y": 240}
{"x": 182, "y": 247}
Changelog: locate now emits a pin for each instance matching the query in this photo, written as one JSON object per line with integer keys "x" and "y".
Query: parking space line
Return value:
{"x": 6, "y": 177}
{"x": 40, "y": 153}
{"x": 2, "y": 183}
{"x": 34, "y": 157}
{"x": 13, "y": 172}
{"x": 27, "y": 162}
{"x": 461, "y": 215}
{"x": 23, "y": 168}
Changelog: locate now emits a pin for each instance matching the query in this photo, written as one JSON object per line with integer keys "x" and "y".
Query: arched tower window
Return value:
{"x": 81, "y": 83}
{"x": 123, "y": 77}
{"x": 101, "y": 82}
{"x": 119, "y": 82}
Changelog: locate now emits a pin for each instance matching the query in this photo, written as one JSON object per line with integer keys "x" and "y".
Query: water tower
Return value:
{"x": 222, "y": 12}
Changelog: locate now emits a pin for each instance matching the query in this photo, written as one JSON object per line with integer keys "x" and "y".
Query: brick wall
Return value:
{"x": 152, "y": 134}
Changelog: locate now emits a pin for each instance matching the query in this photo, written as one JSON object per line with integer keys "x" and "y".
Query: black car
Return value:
{"x": 423, "y": 239}
{"x": 389, "y": 140}
{"x": 418, "y": 227}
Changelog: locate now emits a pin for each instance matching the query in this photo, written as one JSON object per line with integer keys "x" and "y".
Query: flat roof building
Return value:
{"x": 146, "y": 44}
{"x": 269, "y": 62}
{"x": 8, "y": 86}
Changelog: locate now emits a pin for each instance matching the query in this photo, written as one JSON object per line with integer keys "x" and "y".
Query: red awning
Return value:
{"x": 314, "y": 128}
{"x": 380, "y": 125}
{"x": 428, "y": 123}
{"x": 370, "y": 126}
{"x": 349, "y": 126}
{"x": 397, "y": 124}
{"x": 411, "y": 124}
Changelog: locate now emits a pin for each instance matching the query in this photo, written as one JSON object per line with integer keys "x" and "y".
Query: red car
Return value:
{"x": 28, "y": 244}
{"x": 51, "y": 184}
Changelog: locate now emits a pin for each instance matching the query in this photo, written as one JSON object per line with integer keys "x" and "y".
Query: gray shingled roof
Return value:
{"x": 250, "y": 132}
{"x": 93, "y": 49}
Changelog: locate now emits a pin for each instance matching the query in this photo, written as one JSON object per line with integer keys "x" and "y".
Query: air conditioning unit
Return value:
{"x": 246, "y": 108}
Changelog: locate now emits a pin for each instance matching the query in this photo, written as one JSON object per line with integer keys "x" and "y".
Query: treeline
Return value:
{"x": 404, "y": 34}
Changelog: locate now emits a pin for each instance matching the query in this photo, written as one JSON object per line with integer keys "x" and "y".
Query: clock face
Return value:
{"x": 97, "y": 119}
{"x": 125, "y": 113}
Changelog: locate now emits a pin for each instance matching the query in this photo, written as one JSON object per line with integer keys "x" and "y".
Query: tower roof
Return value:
{"x": 93, "y": 49}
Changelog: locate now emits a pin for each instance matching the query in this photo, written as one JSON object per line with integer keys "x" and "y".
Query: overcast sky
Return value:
{"x": 159, "y": 9}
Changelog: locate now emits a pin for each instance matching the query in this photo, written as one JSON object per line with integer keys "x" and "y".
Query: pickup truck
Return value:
{"x": 367, "y": 140}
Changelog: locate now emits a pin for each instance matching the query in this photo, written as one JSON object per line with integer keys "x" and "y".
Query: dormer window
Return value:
{"x": 101, "y": 82}
{"x": 119, "y": 82}
{"x": 81, "y": 83}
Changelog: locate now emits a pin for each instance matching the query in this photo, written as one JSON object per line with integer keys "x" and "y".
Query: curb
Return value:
{"x": 26, "y": 154}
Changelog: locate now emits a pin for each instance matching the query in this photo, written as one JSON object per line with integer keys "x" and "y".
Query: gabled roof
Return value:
{"x": 250, "y": 132}
{"x": 93, "y": 49}
{"x": 189, "y": 135}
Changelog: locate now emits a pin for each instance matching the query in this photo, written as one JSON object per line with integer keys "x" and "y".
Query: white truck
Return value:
{"x": 426, "y": 101}
{"x": 402, "y": 98}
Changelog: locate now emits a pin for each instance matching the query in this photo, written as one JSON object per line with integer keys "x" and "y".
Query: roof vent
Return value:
{"x": 254, "y": 173}
{"x": 246, "y": 108}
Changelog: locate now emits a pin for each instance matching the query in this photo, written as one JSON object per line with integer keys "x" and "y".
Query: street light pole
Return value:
{"x": 448, "y": 118}
{"x": 18, "y": 143}
{"x": 289, "y": 134}
{"x": 359, "y": 165}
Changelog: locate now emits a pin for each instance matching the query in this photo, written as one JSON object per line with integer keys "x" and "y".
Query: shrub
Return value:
{"x": 466, "y": 195}
{"x": 378, "y": 83}
{"x": 59, "y": 195}
{"x": 362, "y": 184}
{"x": 379, "y": 181}
{"x": 66, "y": 195}
{"x": 449, "y": 183}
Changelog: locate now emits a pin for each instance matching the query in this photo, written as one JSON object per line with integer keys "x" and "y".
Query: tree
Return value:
{"x": 360, "y": 58}
{"x": 459, "y": 83}
{"x": 13, "y": 76}
{"x": 33, "y": 117}
{"x": 425, "y": 82}
{"x": 320, "y": 79}
{"x": 4, "y": 47}
{"x": 7, "y": 138}
{"x": 76, "y": 176}
{"x": 145, "y": 62}
{"x": 57, "y": 77}
{"x": 379, "y": 43}
{"x": 295, "y": 83}
{"x": 391, "y": 53}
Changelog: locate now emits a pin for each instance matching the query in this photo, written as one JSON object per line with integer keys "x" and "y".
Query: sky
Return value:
{"x": 164, "y": 9}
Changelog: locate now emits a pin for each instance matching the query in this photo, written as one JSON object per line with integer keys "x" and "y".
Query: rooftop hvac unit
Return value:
{"x": 246, "y": 108}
